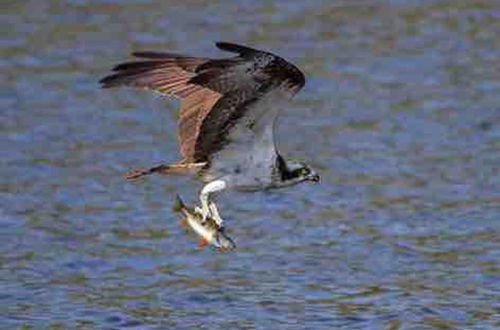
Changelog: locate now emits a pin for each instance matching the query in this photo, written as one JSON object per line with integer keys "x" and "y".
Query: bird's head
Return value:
{"x": 299, "y": 172}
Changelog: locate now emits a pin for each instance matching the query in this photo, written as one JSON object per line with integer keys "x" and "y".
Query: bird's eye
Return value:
{"x": 305, "y": 171}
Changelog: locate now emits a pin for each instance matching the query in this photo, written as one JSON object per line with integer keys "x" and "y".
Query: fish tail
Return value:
{"x": 178, "y": 204}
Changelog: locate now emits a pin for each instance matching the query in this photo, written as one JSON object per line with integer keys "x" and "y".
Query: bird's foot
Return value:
{"x": 208, "y": 207}
{"x": 215, "y": 215}
{"x": 209, "y": 212}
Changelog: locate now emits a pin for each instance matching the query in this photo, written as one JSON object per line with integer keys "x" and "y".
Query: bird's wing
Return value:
{"x": 169, "y": 74}
{"x": 227, "y": 104}
{"x": 165, "y": 73}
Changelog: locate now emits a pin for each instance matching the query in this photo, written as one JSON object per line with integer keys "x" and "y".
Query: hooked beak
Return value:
{"x": 314, "y": 178}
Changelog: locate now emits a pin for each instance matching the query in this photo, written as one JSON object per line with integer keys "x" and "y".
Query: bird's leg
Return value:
{"x": 208, "y": 207}
{"x": 215, "y": 213}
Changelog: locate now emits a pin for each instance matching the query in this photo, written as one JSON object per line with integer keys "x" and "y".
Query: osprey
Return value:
{"x": 227, "y": 117}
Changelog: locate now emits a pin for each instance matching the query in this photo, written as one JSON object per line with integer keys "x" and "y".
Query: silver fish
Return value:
{"x": 209, "y": 231}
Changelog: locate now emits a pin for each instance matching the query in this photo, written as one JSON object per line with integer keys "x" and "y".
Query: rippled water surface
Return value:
{"x": 400, "y": 115}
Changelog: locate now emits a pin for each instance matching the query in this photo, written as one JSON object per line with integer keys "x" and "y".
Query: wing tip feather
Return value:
{"x": 234, "y": 48}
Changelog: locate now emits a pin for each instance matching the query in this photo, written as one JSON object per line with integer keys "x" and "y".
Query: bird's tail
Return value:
{"x": 173, "y": 169}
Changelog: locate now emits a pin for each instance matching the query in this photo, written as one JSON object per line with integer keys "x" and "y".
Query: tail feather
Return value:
{"x": 174, "y": 169}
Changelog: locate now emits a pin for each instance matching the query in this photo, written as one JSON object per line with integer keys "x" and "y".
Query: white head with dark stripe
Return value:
{"x": 292, "y": 172}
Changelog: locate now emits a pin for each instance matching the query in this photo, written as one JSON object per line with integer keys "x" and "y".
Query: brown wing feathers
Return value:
{"x": 164, "y": 74}
{"x": 200, "y": 84}
{"x": 170, "y": 74}
{"x": 194, "y": 109}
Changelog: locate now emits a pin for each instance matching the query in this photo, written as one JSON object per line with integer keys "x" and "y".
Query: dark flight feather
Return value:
{"x": 158, "y": 55}
{"x": 234, "y": 48}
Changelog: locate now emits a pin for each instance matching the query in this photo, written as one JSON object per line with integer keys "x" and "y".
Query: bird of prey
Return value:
{"x": 227, "y": 117}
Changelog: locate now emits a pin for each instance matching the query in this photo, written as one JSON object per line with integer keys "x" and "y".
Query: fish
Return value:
{"x": 209, "y": 231}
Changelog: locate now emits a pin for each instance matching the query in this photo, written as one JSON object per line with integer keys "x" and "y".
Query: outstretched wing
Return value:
{"x": 169, "y": 74}
{"x": 229, "y": 105}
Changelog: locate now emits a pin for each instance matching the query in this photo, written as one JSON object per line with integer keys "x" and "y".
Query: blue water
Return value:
{"x": 400, "y": 115}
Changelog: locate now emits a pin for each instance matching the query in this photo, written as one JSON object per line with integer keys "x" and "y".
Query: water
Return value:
{"x": 400, "y": 115}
